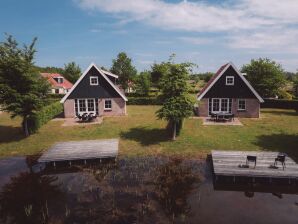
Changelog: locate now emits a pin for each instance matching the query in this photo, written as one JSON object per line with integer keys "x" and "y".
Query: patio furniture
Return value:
{"x": 222, "y": 116}
{"x": 213, "y": 116}
{"x": 86, "y": 117}
{"x": 282, "y": 159}
{"x": 251, "y": 159}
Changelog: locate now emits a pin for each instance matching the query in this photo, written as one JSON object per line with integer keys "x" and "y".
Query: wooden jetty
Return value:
{"x": 81, "y": 150}
{"x": 226, "y": 164}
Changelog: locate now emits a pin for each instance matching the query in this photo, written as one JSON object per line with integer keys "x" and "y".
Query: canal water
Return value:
{"x": 136, "y": 190}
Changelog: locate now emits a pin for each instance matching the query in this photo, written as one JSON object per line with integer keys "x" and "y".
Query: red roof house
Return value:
{"x": 59, "y": 84}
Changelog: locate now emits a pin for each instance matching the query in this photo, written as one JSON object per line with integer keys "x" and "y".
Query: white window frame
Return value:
{"x": 86, "y": 105}
{"x": 230, "y": 77}
{"x": 220, "y": 104}
{"x": 105, "y": 108}
{"x": 93, "y": 84}
{"x": 241, "y": 109}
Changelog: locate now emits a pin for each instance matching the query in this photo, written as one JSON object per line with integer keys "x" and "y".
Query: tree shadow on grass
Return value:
{"x": 10, "y": 134}
{"x": 280, "y": 143}
{"x": 146, "y": 136}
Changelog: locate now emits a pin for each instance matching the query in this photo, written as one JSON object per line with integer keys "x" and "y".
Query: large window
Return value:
{"x": 86, "y": 106}
{"x": 93, "y": 80}
{"x": 241, "y": 104}
{"x": 108, "y": 104}
{"x": 220, "y": 105}
{"x": 229, "y": 80}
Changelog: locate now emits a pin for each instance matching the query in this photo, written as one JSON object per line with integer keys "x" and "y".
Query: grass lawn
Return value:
{"x": 141, "y": 134}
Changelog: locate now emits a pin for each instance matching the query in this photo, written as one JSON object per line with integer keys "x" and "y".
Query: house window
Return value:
{"x": 220, "y": 105}
{"x": 90, "y": 104}
{"x": 230, "y": 80}
{"x": 108, "y": 104}
{"x": 59, "y": 80}
{"x": 241, "y": 104}
{"x": 215, "y": 105}
{"x": 86, "y": 106}
{"x": 224, "y": 105}
{"x": 82, "y": 105}
{"x": 93, "y": 80}
{"x": 57, "y": 91}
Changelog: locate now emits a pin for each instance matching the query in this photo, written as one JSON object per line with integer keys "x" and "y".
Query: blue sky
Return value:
{"x": 208, "y": 33}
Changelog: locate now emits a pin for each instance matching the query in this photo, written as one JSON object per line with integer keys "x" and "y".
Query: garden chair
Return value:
{"x": 251, "y": 159}
{"x": 282, "y": 159}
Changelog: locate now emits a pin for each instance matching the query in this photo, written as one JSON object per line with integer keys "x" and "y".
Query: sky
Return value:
{"x": 206, "y": 32}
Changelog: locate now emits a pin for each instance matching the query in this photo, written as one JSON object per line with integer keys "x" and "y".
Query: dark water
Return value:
{"x": 136, "y": 190}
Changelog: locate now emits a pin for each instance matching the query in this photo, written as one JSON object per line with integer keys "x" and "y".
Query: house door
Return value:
{"x": 86, "y": 106}
{"x": 221, "y": 105}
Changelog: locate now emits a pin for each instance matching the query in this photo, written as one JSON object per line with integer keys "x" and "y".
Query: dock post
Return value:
{"x": 69, "y": 163}
{"x": 85, "y": 162}
{"x": 54, "y": 163}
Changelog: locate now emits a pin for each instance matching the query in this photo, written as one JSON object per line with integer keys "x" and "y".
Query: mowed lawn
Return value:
{"x": 140, "y": 133}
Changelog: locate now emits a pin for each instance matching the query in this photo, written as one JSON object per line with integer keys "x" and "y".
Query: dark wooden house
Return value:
{"x": 95, "y": 92}
{"x": 228, "y": 91}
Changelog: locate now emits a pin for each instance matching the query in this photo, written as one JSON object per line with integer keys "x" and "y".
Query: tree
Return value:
{"x": 266, "y": 76}
{"x": 72, "y": 72}
{"x": 143, "y": 83}
{"x": 22, "y": 90}
{"x": 157, "y": 71}
{"x": 177, "y": 104}
{"x": 122, "y": 66}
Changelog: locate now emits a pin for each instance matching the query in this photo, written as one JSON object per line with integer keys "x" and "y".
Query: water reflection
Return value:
{"x": 133, "y": 190}
{"x": 29, "y": 197}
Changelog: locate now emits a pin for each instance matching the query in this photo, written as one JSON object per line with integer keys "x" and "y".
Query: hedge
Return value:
{"x": 281, "y": 104}
{"x": 143, "y": 101}
{"x": 46, "y": 114}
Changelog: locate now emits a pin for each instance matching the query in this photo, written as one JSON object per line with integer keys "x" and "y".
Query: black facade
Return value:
{"x": 85, "y": 90}
{"x": 221, "y": 90}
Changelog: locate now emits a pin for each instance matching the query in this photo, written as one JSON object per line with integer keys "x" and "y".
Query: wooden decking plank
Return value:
{"x": 227, "y": 163}
{"x": 80, "y": 150}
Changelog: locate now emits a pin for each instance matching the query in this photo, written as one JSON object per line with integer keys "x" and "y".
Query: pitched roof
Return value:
{"x": 212, "y": 79}
{"x": 218, "y": 74}
{"x": 101, "y": 72}
{"x": 50, "y": 77}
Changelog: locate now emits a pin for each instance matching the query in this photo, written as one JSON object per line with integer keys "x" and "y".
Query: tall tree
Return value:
{"x": 143, "y": 83}
{"x": 177, "y": 104}
{"x": 157, "y": 71}
{"x": 22, "y": 90}
{"x": 266, "y": 76}
{"x": 122, "y": 66}
{"x": 72, "y": 72}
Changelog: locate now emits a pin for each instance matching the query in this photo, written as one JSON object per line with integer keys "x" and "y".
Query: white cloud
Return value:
{"x": 189, "y": 16}
{"x": 196, "y": 40}
{"x": 247, "y": 24}
{"x": 277, "y": 40}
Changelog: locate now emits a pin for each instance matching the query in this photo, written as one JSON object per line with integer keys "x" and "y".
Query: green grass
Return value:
{"x": 141, "y": 134}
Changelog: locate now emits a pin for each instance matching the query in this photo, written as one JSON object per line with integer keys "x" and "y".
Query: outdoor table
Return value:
{"x": 223, "y": 116}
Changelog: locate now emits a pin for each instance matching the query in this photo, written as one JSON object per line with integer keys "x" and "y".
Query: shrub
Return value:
{"x": 43, "y": 116}
{"x": 144, "y": 101}
{"x": 281, "y": 104}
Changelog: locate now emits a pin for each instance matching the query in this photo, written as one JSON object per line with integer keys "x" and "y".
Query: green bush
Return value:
{"x": 43, "y": 116}
{"x": 280, "y": 104}
{"x": 144, "y": 101}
